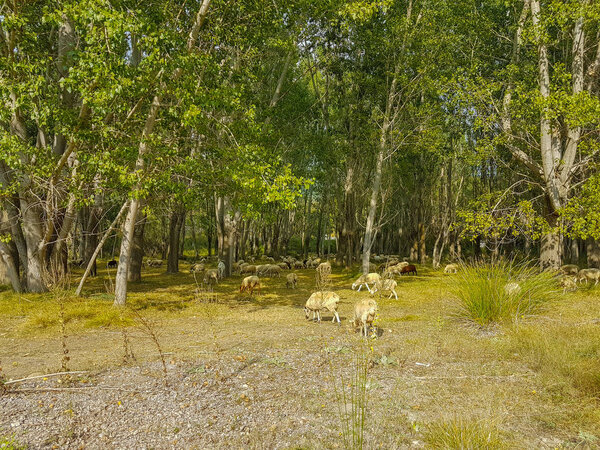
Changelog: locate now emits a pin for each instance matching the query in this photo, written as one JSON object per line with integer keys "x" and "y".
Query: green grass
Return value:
{"x": 566, "y": 355}
{"x": 9, "y": 443}
{"x": 461, "y": 433}
{"x": 483, "y": 291}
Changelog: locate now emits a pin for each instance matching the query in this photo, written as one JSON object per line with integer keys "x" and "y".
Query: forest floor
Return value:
{"x": 251, "y": 372}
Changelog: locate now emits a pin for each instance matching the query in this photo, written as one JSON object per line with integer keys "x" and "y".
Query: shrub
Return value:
{"x": 484, "y": 293}
{"x": 463, "y": 434}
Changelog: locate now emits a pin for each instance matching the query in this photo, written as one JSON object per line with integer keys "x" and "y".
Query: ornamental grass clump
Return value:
{"x": 490, "y": 293}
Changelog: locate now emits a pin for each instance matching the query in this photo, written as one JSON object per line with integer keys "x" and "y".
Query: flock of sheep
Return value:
{"x": 324, "y": 300}
{"x": 379, "y": 278}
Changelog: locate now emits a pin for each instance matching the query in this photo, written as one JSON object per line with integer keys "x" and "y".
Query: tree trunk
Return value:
{"x": 132, "y": 214}
{"x": 137, "y": 252}
{"x": 175, "y": 223}
{"x": 9, "y": 270}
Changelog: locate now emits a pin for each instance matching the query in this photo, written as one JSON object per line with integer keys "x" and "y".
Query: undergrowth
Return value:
{"x": 502, "y": 291}
{"x": 458, "y": 433}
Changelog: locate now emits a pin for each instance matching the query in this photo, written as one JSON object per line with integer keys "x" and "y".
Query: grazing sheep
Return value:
{"x": 364, "y": 315}
{"x": 386, "y": 284}
{"x": 512, "y": 288}
{"x": 395, "y": 268}
{"x": 324, "y": 268}
{"x": 211, "y": 277}
{"x": 240, "y": 262}
{"x": 112, "y": 264}
{"x": 311, "y": 264}
{"x": 247, "y": 268}
{"x": 451, "y": 268}
{"x": 291, "y": 280}
{"x": 262, "y": 269}
{"x": 283, "y": 265}
{"x": 366, "y": 279}
{"x": 589, "y": 274}
{"x": 250, "y": 283}
{"x": 411, "y": 268}
{"x": 198, "y": 267}
{"x": 568, "y": 283}
{"x": 298, "y": 265}
{"x": 569, "y": 269}
{"x": 154, "y": 262}
{"x": 318, "y": 301}
{"x": 235, "y": 268}
{"x": 274, "y": 270}
{"x": 270, "y": 259}
{"x": 221, "y": 269}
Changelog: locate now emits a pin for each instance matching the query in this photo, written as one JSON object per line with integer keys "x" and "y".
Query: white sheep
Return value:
{"x": 589, "y": 275}
{"x": 247, "y": 268}
{"x": 221, "y": 269}
{"x": 262, "y": 269}
{"x": 273, "y": 270}
{"x": 364, "y": 315}
{"x": 568, "y": 283}
{"x": 250, "y": 283}
{"x": 451, "y": 268}
{"x": 211, "y": 277}
{"x": 198, "y": 267}
{"x": 386, "y": 284}
{"x": 291, "y": 280}
{"x": 569, "y": 269}
{"x": 318, "y": 301}
{"x": 366, "y": 279}
{"x": 154, "y": 262}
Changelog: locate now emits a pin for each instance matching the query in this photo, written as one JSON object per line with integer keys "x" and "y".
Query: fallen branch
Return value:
{"x": 44, "y": 376}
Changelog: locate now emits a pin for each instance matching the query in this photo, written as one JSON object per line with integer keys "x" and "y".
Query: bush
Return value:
{"x": 487, "y": 292}
{"x": 463, "y": 434}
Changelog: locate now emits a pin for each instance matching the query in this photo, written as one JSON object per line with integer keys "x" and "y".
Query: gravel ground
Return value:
{"x": 248, "y": 401}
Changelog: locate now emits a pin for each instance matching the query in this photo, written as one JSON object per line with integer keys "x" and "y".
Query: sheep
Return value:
{"x": 283, "y": 265}
{"x": 318, "y": 301}
{"x": 112, "y": 264}
{"x": 262, "y": 269}
{"x": 568, "y": 283}
{"x": 291, "y": 280}
{"x": 211, "y": 277}
{"x": 512, "y": 288}
{"x": 198, "y": 267}
{"x": 240, "y": 262}
{"x": 364, "y": 315}
{"x": 220, "y": 269}
{"x": 410, "y": 268}
{"x": 274, "y": 270}
{"x": 235, "y": 267}
{"x": 312, "y": 264}
{"x": 386, "y": 284}
{"x": 451, "y": 268}
{"x": 298, "y": 265}
{"x": 154, "y": 262}
{"x": 324, "y": 267}
{"x": 396, "y": 268}
{"x": 247, "y": 268}
{"x": 366, "y": 279}
{"x": 250, "y": 283}
{"x": 569, "y": 269}
{"x": 270, "y": 259}
{"x": 589, "y": 274}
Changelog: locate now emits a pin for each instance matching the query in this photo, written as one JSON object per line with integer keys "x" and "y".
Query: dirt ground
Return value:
{"x": 251, "y": 372}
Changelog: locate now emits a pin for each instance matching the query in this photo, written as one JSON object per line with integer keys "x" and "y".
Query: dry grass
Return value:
{"x": 537, "y": 380}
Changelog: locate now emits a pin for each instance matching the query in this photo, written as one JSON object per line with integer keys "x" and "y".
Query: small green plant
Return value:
{"x": 9, "y": 443}
{"x": 352, "y": 401}
{"x": 495, "y": 292}
{"x": 463, "y": 434}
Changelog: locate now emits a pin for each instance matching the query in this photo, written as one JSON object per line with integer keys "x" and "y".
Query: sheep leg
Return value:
{"x": 337, "y": 316}
{"x": 359, "y": 286}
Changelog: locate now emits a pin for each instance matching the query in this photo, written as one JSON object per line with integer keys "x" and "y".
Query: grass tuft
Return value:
{"x": 502, "y": 291}
{"x": 463, "y": 434}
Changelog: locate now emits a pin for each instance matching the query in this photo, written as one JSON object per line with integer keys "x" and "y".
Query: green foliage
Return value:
{"x": 10, "y": 443}
{"x": 501, "y": 291}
